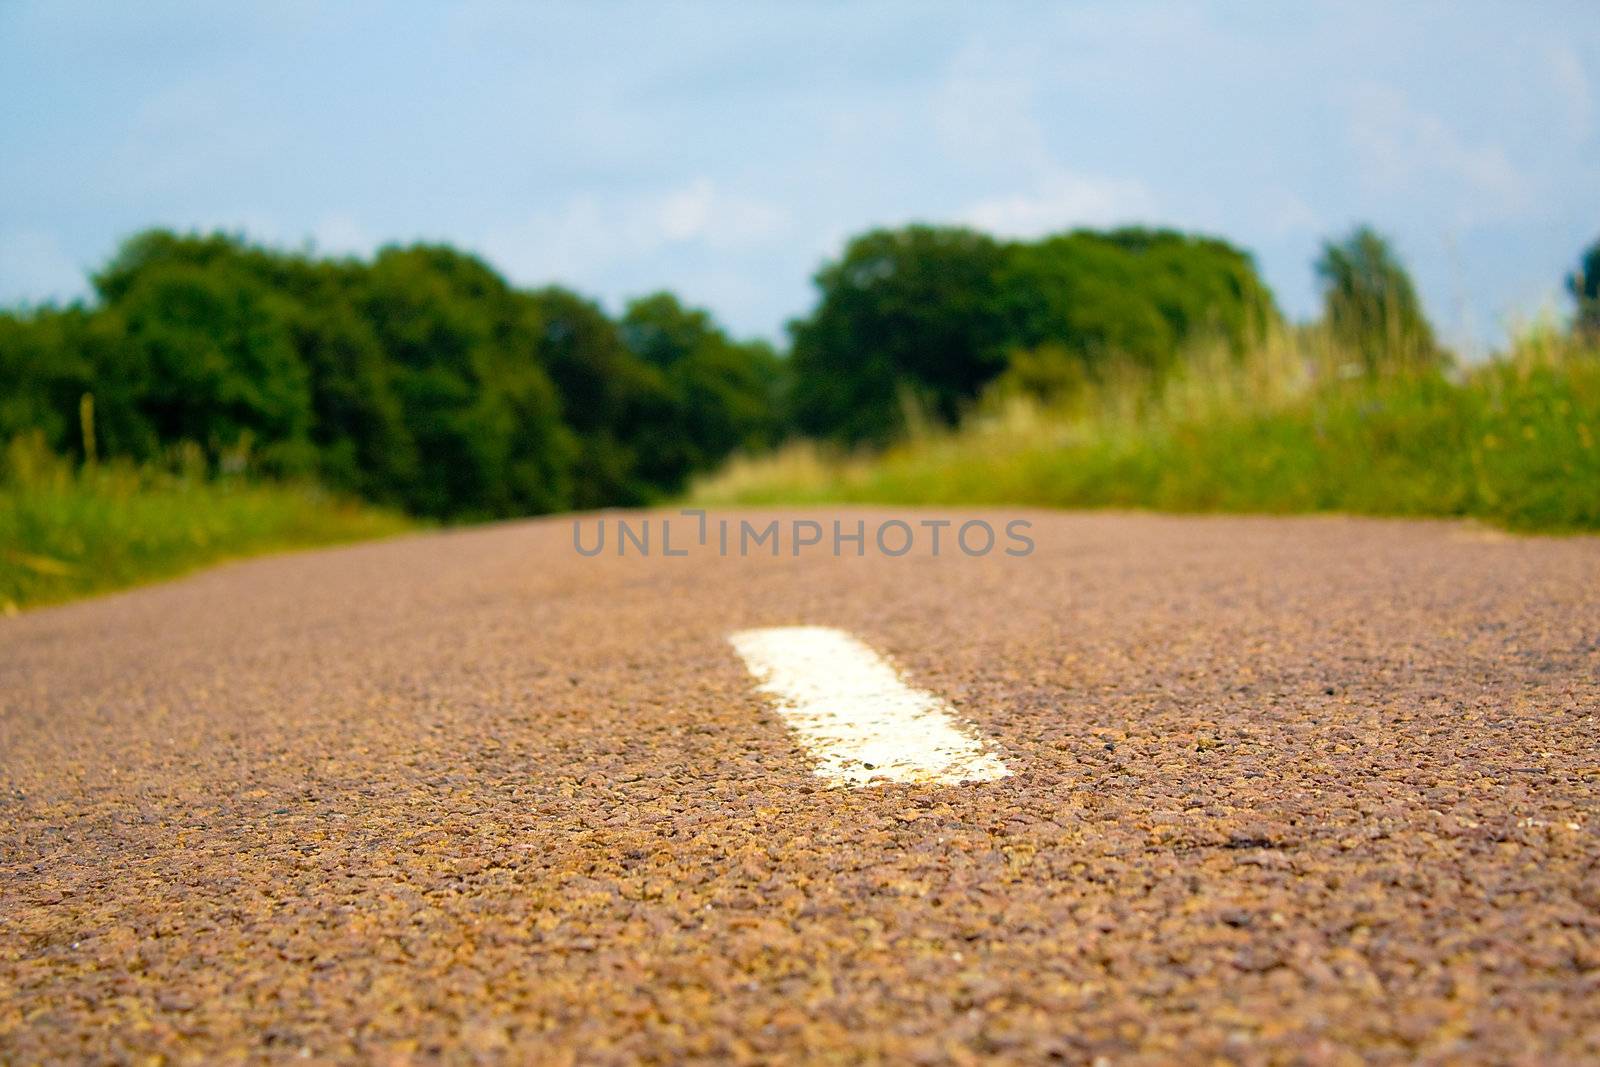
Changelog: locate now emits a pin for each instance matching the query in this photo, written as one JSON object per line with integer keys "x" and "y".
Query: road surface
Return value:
{"x": 1256, "y": 790}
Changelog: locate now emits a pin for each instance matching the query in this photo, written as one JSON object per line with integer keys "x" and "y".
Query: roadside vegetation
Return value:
{"x": 419, "y": 379}
{"x": 1287, "y": 429}
{"x": 67, "y": 531}
{"x": 1362, "y": 411}
{"x": 912, "y": 325}
{"x": 217, "y": 397}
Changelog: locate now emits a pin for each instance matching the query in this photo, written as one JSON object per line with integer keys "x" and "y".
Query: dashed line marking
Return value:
{"x": 855, "y": 715}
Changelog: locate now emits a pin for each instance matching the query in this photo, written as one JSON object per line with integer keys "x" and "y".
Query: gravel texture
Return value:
{"x": 1285, "y": 790}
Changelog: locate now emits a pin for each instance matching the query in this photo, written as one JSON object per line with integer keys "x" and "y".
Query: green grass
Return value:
{"x": 1515, "y": 442}
{"x": 67, "y": 533}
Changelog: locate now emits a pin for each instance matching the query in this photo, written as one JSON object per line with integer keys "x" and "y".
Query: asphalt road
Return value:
{"x": 1298, "y": 790}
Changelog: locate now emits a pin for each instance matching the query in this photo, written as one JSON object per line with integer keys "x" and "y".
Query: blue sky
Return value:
{"x": 724, "y": 150}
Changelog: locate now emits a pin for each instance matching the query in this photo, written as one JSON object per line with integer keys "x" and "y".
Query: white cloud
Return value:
{"x": 1287, "y": 213}
{"x": 1573, "y": 92}
{"x": 1401, "y": 148}
{"x": 986, "y": 116}
{"x": 340, "y": 234}
{"x": 591, "y": 233}
{"x": 1061, "y": 201}
{"x": 699, "y": 212}
{"x": 984, "y": 111}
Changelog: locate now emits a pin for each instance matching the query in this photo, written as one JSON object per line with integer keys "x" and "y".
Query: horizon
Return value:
{"x": 724, "y": 155}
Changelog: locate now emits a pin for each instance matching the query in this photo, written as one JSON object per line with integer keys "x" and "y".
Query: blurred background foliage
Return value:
{"x": 1133, "y": 367}
{"x": 419, "y": 380}
{"x": 923, "y": 318}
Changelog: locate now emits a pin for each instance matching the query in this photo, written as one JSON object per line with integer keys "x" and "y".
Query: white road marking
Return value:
{"x": 855, "y": 716}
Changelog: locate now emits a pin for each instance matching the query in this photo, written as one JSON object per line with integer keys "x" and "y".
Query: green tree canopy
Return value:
{"x": 216, "y": 361}
{"x": 724, "y": 393}
{"x": 1370, "y": 305}
{"x": 933, "y": 314}
{"x": 45, "y": 367}
{"x": 905, "y": 317}
{"x": 1584, "y": 285}
{"x": 609, "y": 397}
{"x": 470, "y": 380}
{"x": 419, "y": 378}
{"x": 1134, "y": 294}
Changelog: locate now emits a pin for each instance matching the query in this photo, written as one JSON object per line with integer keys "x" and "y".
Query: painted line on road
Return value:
{"x": 855, "y": 716}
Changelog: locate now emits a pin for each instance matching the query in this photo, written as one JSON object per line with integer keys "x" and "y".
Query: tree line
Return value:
{"x": 917, "y": 322}
{"x": 419, "y": 379}
{"x": 422, "y": 379}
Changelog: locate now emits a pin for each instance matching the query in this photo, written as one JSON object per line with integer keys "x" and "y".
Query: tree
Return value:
{"x": 609, "y": 398}
{"x": 213, "y": 363}
{"x": 1371, "y": 306}
{"x": 358, "y": 423}
{"x": 925, "y": 318}
{"x": 44, "y": 371}
{"x": 419, "y": 378}
{"x": 906, "y": 318}
{"x": 723, "y": 392}
{"x": 1135, "y": 295}
{"x": 1584, "y": 285}
{"x": 470, "y": 381}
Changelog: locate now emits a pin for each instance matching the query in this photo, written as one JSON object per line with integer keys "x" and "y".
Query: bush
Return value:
{"x": 920, "y": 320}
{"x": 420, "y": 379}
{"x": 1371, "y": 307}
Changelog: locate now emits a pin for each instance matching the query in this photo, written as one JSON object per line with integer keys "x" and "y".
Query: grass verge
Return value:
{"x": 67, "y": 533}
{"x": 1515, "y": 442}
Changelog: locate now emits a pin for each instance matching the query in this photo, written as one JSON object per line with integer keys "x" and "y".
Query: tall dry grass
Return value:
{"x": 67, "y": 530}
{"x": 1295, "y": 425}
